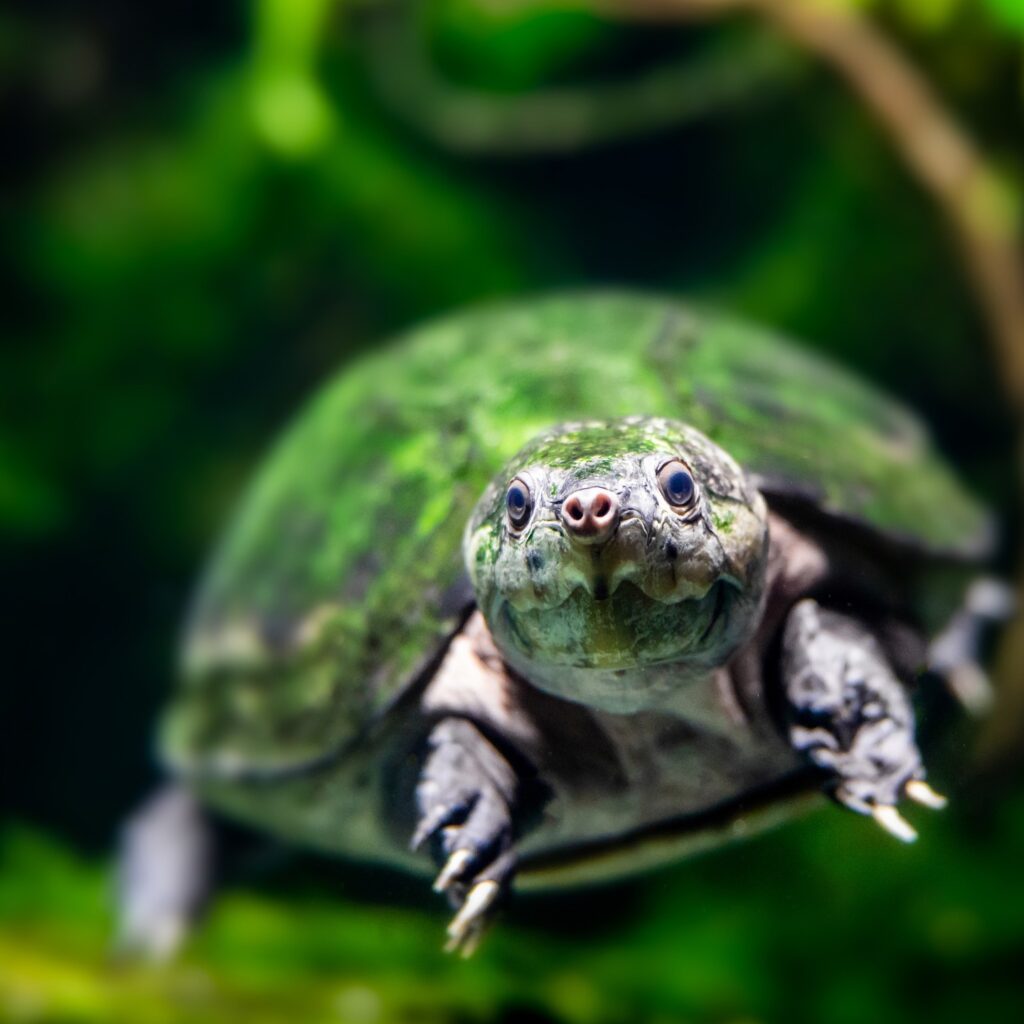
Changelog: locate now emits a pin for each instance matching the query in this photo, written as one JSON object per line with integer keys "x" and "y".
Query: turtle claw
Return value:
{"x": 894, "y": 823}
{"x": 468, "y": 925}
{"x": 853, "y": 718}
{"x": 479, "y": 901}
{"x": 467, "y": 795}
{"x": 453, "y": 868}
{"x": 467, "y": 946}
{"x": 475, "y": 878}
{"x": 920, "y": 792}
{"x": 888, "y": 816}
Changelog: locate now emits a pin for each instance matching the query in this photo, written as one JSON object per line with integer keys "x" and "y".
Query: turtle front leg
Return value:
{"x": 852, "y": 716}
{"x": 468, "y": 797}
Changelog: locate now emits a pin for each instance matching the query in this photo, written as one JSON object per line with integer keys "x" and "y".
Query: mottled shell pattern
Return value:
{"x": 340, "y": 580}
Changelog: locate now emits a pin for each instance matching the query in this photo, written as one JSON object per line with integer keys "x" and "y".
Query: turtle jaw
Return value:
{"x": 622, "y": 630}
{"x": 626, "y": 652}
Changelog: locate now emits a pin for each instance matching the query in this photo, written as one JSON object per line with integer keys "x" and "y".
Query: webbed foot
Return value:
{"x": 466, "y": 796}
{"x": 852, "y": 716}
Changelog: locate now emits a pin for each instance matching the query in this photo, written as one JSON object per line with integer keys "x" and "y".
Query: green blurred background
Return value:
{"x": 209, "y": 207}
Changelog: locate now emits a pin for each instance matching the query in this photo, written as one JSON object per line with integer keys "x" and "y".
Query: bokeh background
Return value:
{"x": 209, "y": 207}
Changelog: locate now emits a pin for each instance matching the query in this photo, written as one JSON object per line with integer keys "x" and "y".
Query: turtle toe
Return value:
{"x": 467, "y": 798}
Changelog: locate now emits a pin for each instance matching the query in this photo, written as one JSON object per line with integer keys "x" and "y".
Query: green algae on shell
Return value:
{"x": 341, "y": 578}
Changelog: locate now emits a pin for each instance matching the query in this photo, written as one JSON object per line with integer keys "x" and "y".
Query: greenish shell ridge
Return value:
{"x": 341, "y": 579}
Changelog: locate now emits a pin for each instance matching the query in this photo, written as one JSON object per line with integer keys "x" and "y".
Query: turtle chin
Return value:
{"x": 625, "y": 651}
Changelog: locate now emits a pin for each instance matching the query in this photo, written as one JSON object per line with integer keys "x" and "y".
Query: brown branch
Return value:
{"x": 979, "y": 208}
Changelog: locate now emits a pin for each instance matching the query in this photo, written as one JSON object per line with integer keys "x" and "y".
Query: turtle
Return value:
{"x": 556, "y": 590}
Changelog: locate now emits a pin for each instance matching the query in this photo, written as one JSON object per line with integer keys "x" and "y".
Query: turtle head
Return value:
{"x": 613, "y": 560}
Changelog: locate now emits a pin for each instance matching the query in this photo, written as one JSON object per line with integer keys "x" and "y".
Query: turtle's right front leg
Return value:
{"x": 468, "y": 800}
{"x": 852, "y": 716}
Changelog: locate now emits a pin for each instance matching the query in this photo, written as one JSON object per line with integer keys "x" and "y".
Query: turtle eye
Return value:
{"x": 677, "y": 484}
{"x": 518, "y": 503}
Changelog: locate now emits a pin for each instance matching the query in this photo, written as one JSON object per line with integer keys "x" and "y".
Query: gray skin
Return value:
{"x": 650, "y": 664}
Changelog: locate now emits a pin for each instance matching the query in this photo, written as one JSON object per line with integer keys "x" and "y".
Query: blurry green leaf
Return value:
{"x": 826, "y": 920}
{"x": 1008, "y": 12}
{"x": 288, "y": 33}
{"x": 291, "y": 113}
{"x": 289, "y": 108}
{"x": 730, "y": 72}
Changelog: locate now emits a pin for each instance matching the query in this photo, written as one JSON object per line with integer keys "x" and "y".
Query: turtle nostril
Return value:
{"x": 574, "y": 509}
{"x": 591, "y": 514}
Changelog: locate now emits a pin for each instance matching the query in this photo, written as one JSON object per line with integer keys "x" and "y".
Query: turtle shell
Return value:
{"x": 340, "y": 581}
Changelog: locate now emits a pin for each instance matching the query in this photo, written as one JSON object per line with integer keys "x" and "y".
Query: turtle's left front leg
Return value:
{"x": 852, "y": 716}
{"x": 469, "y": 799}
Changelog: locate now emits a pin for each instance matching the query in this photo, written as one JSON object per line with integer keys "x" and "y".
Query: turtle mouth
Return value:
{"x": 715, "y": 596}
{"x": 626, "y": 557}
{"x": 602, "y": 582}
{"x": 624, "y": 630}
{"x": 600, "y": 578}
{"x": 711, "y": 604}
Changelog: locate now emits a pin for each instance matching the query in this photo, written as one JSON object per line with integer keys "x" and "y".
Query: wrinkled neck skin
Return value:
{"x": 631, "y": 623}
